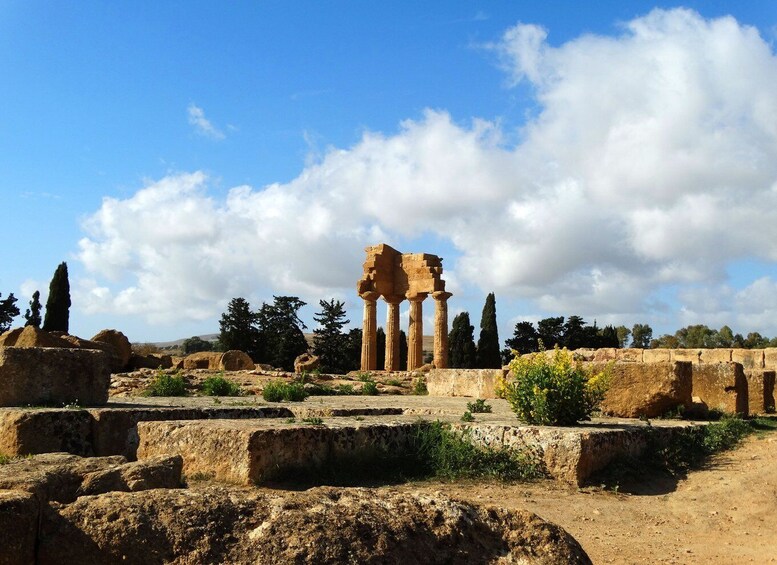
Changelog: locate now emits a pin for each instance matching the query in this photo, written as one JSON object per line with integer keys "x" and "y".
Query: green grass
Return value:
{"x": 394, "y": 382}
{"x": 314, "y": 421}
{"x": 166, "y": 385}
{"x": 419, "y": 386}
{"x": 5, "y": 459}
{"x": 369, "y": 388}
{"x": 480, "y": 406}
{"x": 219, "y": 386}
{"x": 467, "y": 417}
{"x": 276, "y": 391}
{"x": 326, "y": 390}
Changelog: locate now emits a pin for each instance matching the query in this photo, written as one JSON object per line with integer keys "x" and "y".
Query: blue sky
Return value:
{"x": 615, "y": 162}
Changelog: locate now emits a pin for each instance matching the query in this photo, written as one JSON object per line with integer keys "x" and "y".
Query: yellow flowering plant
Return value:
{"x": 553, "y": 388}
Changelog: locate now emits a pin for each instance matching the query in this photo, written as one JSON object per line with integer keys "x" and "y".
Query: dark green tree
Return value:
{"x": 32, "y": 315}
{"x": 280, "y": 330}
{"x": 608, "y": 337}
{"x": 524, "y": 338}
{"x": 353, "y": 350}
{"x": 380, "y": 348}
{"x": 754, "y": 340}
{"x": 575, "y": 335}
{"x": 8, "y": 311}
{"x": 58, "y": 303}
{"x": 551, "y": 332}
{"x": 489, "y": 355}
{"x": 461, "y": 343}
{"x": 403, "y": 350}
{"x": 195, "y": 344}
{"x": 641, "y": 336}
{"x": 623, "y": 335}
{"x": 330, "y": 343}
{"x": 239, "y": 330}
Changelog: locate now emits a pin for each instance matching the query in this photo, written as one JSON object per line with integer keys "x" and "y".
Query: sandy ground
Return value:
{"x": 724, "y": 513}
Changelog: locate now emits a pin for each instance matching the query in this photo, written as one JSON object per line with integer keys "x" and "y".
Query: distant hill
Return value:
{"x": 428, "y": 341}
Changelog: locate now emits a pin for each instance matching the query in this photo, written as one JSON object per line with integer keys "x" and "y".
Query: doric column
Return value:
{"x": 392, "y": 332}
{"x": 441, "y": 329}
{"x": 415, "y": 334}
{"x": 369, "y": 332}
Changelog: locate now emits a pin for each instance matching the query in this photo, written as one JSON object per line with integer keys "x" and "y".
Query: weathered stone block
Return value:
{"x": 605, "y": 354}
{"x": 722, "y": 386}
{"x": 692, "y": 355}
{"x": 53, "y": 376}
{"x": 770, "y": 358}
{"x": 236, "y": 360}
{"x": 19, "y": 526}
{"x": 629, "y": 355}
{"x": 656, "y": 355}
{"x": 709, "y": 356}
{"x": 647, "y": 389}
{"x": 476, "y": 383}
{"x": 29, "y": 431}
{"x": 760, "y": 390}
{"x": 202, "y": 360}
{"x": 748, "y": 358}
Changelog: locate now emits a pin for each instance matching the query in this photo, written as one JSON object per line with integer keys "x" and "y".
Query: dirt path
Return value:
{"x": 726, "y": 513}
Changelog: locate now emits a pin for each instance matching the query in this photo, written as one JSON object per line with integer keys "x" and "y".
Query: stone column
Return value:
{"x": 415, "y": 335}
{"x": 392, "y": 332}
{"x": 369, "y": 332}
{"x": 441, "y": 329}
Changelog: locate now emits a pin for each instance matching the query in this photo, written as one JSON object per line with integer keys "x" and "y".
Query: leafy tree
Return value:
{"x": 280, "y": 330}
{"x": 524, "y": 338}
{"x": 696, "y": 336}
{"x": 380, "y": 348}
{"x": 329, "y": 341}
{"x": 239, "y": 329}
{"x": 461, "y": 343}
{"x": 488, "y": 353}
{"x": 725, "y": 337}
{"x": 403, "y": 349}
{"x": 195, "y": 344}
{"x": 641, "y": 336}
{"x": 623, "y": 334}
{"x": 32, "y": 315}
{"x": 353, "y": 350}
{"x": 8, "y": 311}
{"x": 551, "y": 332}
{"x": 665, "y": 341}
{"x": 608, "y": 337}
{"x": 754, "y": 340}
{"x": 58, "y": 303}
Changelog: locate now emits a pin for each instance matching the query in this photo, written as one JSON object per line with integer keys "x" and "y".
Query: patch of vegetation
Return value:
{"x": 290, "y": 421}
{"x": 394, "y": 382}
{"x": 553, "y": 390}
{"x": 217, "y": 385}
{"x": 419, "y": 386}
{"x": 369, "y": 388}
{"x": 164, "y": 384}
{"x": 5, "y": 459}
{"x": 276, "y": 391}
{"x": 480, "y": 406}
{"x": 314, "y": 421}
{"x": 467, "y": 417}
{"x": 326, "y": 390}
{"x": 365, "y": 377}
{"x": 199, "y": 476}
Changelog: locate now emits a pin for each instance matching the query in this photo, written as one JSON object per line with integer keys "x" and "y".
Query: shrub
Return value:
{"x": 167, "y": 385}
{"x": 219, "y": 386}
{"x": 369, "y": 388}
{"x": 313, "y": 421}
{"x": 419, "y": 386}
{"x": 467, "y": 417}
{"x": 479, "y": 406}
{"x": 553, "y": 389}
{"x": 275, "y": 391}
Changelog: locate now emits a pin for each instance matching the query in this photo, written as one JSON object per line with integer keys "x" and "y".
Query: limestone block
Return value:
{"x": 656, "y": 355}
{"x": 236, "y": 360}
{"x": 605, "y": 354}
{"x": 30, "y": 336}
{"x": 19, "y": 526}
{"x": 647, "y": 389}
{"x": 629, "y": 355}
{"x": 749, "y": 358}
{"x": 692, "y": 355}
{"x": 715, "y": 356}
{"x": 475, "y": 383}
{"x": 163, "y": 471}
{"x": 53, "y": 376}
{"x": 28, "y": 431}
{"x": 120, "y": 344}
{"x": 203, "y": 360}
{"x": 770, "y": 358}
{"x": 760, "y": 390}
{"x": 722, "y": 386}
{"x": 306, "y": 362}
{"x": 584, "y": 354}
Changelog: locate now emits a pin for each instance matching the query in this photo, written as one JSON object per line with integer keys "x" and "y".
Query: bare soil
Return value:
{"x": 724, "y": 513}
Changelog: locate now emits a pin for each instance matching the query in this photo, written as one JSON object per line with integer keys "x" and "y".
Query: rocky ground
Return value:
{"x": 724, "y": 513}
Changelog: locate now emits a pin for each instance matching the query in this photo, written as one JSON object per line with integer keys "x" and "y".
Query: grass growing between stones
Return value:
{"x": 276, "y": 391}
{"x": 433, "y": 451}
{"x": 219, "y": 386}
{"x": 166, "y": 385}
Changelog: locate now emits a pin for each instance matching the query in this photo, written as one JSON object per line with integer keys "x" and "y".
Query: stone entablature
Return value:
{"x": 395, "y": 277}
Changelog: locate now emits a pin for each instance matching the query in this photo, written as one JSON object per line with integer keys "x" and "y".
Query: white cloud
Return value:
{"x": 650, "y": 162}
{"x": 201, "y": 124}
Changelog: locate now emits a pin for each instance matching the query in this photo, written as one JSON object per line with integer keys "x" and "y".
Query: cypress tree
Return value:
{"x": 280, "y": 330}
{"x": 461, "y": 343}
{"x": 489, "y": 356}
{"x": 380, "y": 347}
{"x": 32, "y": 315}
{"x": 402, "y": 350}
{"x": 238, "y": 329}
{"x": 58, "y": 303}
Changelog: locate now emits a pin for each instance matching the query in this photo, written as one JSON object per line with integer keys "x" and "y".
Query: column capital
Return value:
{"x": 441, "y": 295}
{"x": 393, "y": 298}
{"x": 370, "y": 295}
{"x": 416, "y": 296}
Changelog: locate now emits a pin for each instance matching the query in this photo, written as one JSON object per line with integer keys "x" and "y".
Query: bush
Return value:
{"x": 553, "y": 390}
{"x": 219, "y": 386}
{"x": 167, "y": 385}
{"x": 369, "y": 388}
{"x": 467, "y": 417}
{"x": 276, "y": 391}
{"x": 419, "y": 386}
{"x": 479, "y": 407}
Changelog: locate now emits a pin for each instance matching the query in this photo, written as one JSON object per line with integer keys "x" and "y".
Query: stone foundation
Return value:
{"x": 475, "y": 383}
{"x": 722, "y": 386}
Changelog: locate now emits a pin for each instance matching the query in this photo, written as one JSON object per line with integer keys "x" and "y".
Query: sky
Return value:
{"x": 617, "y": 162}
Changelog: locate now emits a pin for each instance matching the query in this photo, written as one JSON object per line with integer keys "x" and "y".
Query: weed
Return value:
{"x": 290, "y": 420}
{"x": 365, "y": 377}
{"x": 358, "y": 418}
{"x": 75, "y": 405}
{"x": 199, "y": 476}
{"x": 419, "y": 386}
{"x": 480, "y": 406}
{"x": 467, "y": 417}
{"x": 369, "y": 388}
{"x": 314, "y": 421}
{"x": 275, "y": 391}
{"x": 5, "y": 459}
{"x": 216, "y": 400}
{"x": 394, "y": 382}
{"x": 166, "y": 385}
{"x": 219, "y": 386}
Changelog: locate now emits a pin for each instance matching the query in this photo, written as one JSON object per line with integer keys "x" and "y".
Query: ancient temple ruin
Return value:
{"x": 396, "y": 276}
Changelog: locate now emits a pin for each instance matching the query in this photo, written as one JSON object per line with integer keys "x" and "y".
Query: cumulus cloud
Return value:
{"x": 201, "y": 124}
{"x": 649, "y": 162}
